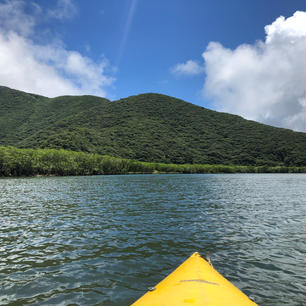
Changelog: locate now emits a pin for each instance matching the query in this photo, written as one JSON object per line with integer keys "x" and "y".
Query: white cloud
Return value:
{"x": 64, "y": 9}
{"x": 189, "y": 68}
{"x": 13, "y": 18}
{"x": 49, "y": 69}
{"x": 265, "y": 81}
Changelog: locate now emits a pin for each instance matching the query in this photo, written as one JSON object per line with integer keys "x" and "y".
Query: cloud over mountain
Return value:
{"x": 189, "y": 68}
{"x": 48, "y": 69}
{"x": 265, "y": 81}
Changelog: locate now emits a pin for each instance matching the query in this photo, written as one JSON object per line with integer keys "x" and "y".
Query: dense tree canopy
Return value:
{"x": 147, "y": 127}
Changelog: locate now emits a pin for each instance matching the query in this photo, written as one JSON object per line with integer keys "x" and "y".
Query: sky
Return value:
{"x": 243, "y": 57}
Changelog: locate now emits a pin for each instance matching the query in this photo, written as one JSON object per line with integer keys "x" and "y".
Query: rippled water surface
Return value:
{"x": 103, "y": 240}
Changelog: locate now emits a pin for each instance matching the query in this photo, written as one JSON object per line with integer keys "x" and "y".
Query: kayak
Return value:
{"x": 194, "y": 283}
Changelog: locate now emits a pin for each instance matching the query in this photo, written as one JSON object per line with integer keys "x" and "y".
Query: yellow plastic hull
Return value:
{"x": 195, "y": 283}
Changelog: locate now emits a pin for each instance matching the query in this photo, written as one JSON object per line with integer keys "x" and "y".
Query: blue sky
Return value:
{"x": 125, "y": 47}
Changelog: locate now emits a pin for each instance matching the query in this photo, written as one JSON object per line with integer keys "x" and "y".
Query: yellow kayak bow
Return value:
{"x": 194, "y": 283}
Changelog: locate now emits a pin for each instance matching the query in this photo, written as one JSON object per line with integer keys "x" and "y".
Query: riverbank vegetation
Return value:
{"x": 31, "y": 162}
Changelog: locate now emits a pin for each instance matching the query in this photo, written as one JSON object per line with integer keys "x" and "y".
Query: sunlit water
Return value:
{"x": 103, "y": 240}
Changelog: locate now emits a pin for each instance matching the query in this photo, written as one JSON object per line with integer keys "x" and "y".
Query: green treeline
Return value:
{"x": 30, "y": 162}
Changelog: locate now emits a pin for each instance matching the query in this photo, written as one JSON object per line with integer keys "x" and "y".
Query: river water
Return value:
{"x": 103, "y": 240}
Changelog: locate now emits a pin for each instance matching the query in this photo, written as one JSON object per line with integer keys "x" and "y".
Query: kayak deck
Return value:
{"x": 195, "y": 283}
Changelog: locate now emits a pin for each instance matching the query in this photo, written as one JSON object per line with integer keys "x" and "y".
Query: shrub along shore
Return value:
{"x": 31, "y": 162}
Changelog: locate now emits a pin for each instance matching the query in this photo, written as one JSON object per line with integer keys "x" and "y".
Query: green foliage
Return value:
{"x": 30, "y": 162}
{"x": 148, "y": 127}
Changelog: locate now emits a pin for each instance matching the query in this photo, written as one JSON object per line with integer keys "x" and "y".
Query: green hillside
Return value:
{"x": 147, "y": 127}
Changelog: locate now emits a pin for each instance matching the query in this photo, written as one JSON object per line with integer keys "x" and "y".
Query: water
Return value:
{"x": 103, "y": 240}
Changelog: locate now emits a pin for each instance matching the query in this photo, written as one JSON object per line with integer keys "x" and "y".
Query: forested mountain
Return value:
{"x": 146, "y": 127}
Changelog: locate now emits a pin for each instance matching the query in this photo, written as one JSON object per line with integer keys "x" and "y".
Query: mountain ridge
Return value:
{"x": 146, "y": 127}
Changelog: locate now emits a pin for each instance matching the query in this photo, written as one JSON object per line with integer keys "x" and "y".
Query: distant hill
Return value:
{"x": 146, "y": 127}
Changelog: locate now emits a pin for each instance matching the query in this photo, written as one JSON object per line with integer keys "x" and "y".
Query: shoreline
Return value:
{"x": 52, "y": 162}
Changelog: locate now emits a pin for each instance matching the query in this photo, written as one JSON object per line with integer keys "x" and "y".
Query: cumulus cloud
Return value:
{"x": 49, "y": 69}
{"x": 265, "y": 81}
{"x": 189, "y": 68}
